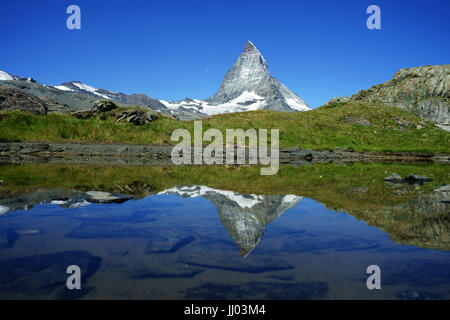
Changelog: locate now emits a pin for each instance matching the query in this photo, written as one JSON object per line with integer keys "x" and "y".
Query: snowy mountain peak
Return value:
{"x": 250, "y": 73}
{"x": 247, "y": 86}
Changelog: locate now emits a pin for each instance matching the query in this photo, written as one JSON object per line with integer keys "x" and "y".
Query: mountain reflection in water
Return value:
{"x": 170, "y": 244}
{"x": 243, "y": 216}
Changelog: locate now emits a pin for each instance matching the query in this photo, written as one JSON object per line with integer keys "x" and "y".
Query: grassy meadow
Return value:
{"x": 353, "y": 125}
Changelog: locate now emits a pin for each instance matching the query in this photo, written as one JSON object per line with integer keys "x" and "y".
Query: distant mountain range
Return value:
{"x": 247, "y": 86}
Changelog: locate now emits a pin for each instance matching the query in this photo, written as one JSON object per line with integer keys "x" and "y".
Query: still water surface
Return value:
{"x": 197, "y": 242}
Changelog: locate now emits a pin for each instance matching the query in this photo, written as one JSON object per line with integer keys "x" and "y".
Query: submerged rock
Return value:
{"x": 168, "y": 242}
{"x": 8, "y": 238}
{"x": 45, "y": 274}
{"x": 427, "y": 273}
{"x": 218, "y": 255}
{"x": 259, "y": 290}
{"x": 171, "y": 271}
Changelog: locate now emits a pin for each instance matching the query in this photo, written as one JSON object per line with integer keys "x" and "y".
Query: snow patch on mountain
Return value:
{"x": 85, "y": 87}
{"x": 63, "y": 88}
{"x": 76, "y": 86}
{"x": 297, "y": 105}
{"x": 5, "y": 76}
{"x": 247, "y": 101}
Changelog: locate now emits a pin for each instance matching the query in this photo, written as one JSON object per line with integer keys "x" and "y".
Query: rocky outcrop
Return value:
{"x": 137, "y": 117}
{"x": 424, "y": 91}
{"x": 14, "y": 99}
{"x": 103, "y": 108}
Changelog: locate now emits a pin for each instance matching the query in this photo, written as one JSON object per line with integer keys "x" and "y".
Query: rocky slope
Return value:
{"x": 119, "y": 97}
{"x": 14, "y": 99}
{"x": 424, "y": 91}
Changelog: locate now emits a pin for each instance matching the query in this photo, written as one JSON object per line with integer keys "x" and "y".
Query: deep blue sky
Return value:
{"x": 173, "y": 49}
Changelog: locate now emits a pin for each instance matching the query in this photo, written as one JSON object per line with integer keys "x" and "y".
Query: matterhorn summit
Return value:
{"x": 247, "y": 86}
{"x": 250, "y": 74}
